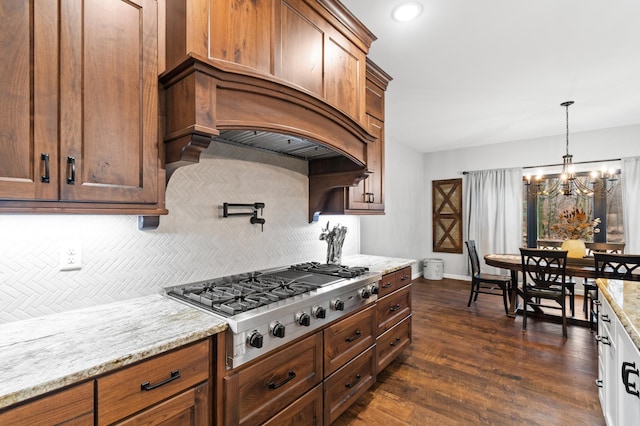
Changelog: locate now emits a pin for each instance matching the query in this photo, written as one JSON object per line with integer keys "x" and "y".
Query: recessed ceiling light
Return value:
{"x": 407, "y": 11}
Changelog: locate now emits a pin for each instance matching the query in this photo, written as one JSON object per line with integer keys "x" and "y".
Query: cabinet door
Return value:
{"x": 108, "y": 101}
{"x": 627, "y": 379}
{"x": 262, "y": 390}
{"x": 73, "y": 406}
{"x": 28, "y": 89}
{"x": 190, "y": 408}
{"x": 368, "y": 195}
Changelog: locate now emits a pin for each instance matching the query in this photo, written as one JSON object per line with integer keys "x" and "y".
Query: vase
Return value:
{"x": 575, "y": 248}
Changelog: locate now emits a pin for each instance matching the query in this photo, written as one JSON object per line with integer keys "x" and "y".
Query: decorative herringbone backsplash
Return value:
{"x": 194, "y": 242}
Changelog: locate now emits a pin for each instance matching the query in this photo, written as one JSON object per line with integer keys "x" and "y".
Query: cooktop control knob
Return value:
{"x": 337, "y": 305}
{"x": 365, "y": 292}
{"x": 255, "y": 339}
{"x": 277, "y": 329}
{"x": 374, "y": 288}
{"x": 303, "y": 318}
{"x": 319, "y": 312}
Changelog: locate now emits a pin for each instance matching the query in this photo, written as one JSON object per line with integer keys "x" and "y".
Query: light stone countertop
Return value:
{"x": 624, "y": 298}
{"x": 49, "y": 352}
{"x": 382, "y": 264}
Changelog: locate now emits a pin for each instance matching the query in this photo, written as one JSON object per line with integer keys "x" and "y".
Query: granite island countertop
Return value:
{"x": 624, "y": 298}
{"x": 46, "y": 353}
{"x": 382, "y": 264}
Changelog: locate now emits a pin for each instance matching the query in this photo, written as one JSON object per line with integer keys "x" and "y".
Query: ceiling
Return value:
{"x": 468, "y": 72}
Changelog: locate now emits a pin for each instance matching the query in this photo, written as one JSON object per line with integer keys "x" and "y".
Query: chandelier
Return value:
{"x": 569, "y": 182}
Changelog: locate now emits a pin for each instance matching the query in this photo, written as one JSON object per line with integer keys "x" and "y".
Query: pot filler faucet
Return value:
{"x": 335, "y": 240}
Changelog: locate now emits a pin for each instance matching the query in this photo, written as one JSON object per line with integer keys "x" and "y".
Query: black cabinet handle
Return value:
{"x": 291, "y": 376}
{"x": 629, "y": 368}
{"x": 45, "y": 157}
{"x": 71, "y": 170}
{"x": 355, "y": 382}
{"x": 396, "y": 342}
{"x": 605, "y": 318}
{"x": 147, "y": 386}
{"x": 404, "y": 278}
{"x": 604, "y": 340}
{"x": 395, "y": 308}
{"x": 387, "y": 285}
{"x": 599, "y": 383}
{"x": 354, "y": 337}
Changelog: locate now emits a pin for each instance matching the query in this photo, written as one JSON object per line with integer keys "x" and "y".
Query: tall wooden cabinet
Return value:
{"x": 79, "y": 121}
{"x": 367, "y": 196}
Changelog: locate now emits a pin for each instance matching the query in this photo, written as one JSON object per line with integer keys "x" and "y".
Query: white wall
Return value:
{"x": 192, "y": 243}
{"x": 401, "y": 231}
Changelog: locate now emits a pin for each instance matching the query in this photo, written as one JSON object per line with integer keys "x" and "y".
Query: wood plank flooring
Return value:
{"x": 469, "y": 366}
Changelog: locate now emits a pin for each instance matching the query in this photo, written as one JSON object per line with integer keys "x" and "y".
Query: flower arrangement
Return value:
{"x": 573, "y": 224}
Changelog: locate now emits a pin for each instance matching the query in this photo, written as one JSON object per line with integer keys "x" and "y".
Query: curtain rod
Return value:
{"x": 559, "y": 164}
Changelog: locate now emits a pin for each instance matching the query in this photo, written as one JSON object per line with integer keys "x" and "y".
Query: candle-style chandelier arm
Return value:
{"x": 568, "y": 182}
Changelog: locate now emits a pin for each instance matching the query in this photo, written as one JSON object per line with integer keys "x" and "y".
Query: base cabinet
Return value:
{"x": 170, "y": 386}
{"x": 185, "y": 409}
{"x": 306, "y": 410}
{"x": 618, "y": 369}
{"x": 315, "y": 379}
{"x": 73, "y": 406}
{"x": 347, "y": 384}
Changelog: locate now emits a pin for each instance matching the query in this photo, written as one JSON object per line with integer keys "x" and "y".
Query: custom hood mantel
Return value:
{"x": 289, "y": 68}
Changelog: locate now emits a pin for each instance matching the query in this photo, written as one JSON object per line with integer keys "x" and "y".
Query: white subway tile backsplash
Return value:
{"x": 194, "y": 242}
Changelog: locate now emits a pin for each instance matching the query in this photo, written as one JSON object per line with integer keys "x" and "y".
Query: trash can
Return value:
{"x": 433, "y": 269}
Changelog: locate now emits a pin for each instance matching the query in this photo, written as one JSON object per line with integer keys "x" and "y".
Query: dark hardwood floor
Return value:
{"x": 469, "y": 366}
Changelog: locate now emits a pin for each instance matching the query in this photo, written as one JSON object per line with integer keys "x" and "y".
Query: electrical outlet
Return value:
{"x": 70, "y": 256}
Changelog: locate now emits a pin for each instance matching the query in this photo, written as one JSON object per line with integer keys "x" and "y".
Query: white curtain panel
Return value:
{"x": 493, "y": 212}
{"x": 631, "y": 203}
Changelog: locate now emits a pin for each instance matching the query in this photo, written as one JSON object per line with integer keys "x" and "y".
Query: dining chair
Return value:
{"x": 590, "y": 287}
{"x": 617, "y": 266}
{"x": 486, "y": 283}
{"x": 544, "y": 278}
{"x": 571, "y": 284}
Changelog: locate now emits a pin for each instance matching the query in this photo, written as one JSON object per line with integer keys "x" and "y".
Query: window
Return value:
{"x": 541, "y": 212}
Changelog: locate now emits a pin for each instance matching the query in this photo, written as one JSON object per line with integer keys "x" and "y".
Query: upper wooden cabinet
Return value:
{"x": 79, "y": 125}
{"x": 367, "y": 195}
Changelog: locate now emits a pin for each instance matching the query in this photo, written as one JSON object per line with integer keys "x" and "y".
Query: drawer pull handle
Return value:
{"x": 291, "y": 376}
{"x": 599, "y": 383}
{"x": 147, "y": 386}
{"x": 396, "y": 342}
{"x": 71, "y": 170}
{"x": 605, "y": 318}
{"x": 45, "y": 178}
{"x": 395, "y": 308}
{"x": 404, "y": 278}
{"x": 629, "y": 368}
{"x": 354, "y": 337}
{"x": 355, "y": 382}
{"x": 604, "y": 340}
{"x": 387, "y": 285}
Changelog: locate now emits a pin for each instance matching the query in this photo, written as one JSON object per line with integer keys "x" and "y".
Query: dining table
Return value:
{"x": 576, "y": 267}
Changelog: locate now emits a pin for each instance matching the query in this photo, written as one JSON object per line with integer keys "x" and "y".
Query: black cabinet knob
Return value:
{"x": 256, "y": 339}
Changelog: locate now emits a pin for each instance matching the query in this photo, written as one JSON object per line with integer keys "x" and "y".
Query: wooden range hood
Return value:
{"x": 265, "y": 85}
